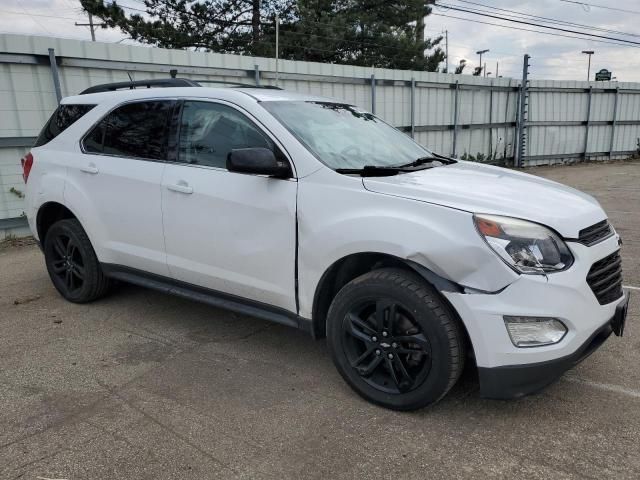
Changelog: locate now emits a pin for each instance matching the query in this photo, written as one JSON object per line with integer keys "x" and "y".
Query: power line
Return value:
{"x": 529, "y": 30}
{"x": 602, "y": 6}
{"x": 484, "y": 14}
{"x": 500, "y": 52}
{"x": 13, "y": 12}
{"x": 127, "y": 7}
{"x": 34, "y": 19}
{"x": 92, "y": 26}
{"x": 547, "y": 19}
{"x": 71, "y": 4}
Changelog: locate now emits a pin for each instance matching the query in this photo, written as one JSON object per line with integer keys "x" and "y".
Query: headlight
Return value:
{"x": 525, "y": 246}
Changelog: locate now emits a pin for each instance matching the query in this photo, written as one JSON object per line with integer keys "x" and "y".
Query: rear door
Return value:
{"x": 230, "y": 232}
{"x": 117, "y": 176}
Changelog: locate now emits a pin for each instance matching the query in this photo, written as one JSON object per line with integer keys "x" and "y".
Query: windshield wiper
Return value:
{"x": 434, "y": 159}
{"x": 419, "y": 161}
{"x": 372, "y": 171}
{"x": 442, "y": 157}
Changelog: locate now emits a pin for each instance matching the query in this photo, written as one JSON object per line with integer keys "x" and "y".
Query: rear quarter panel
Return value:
{"x": 46, "y": 182}
{"x": 49, "y": 174}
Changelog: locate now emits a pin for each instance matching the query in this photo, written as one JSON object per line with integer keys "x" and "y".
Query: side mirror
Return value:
{"x": 258, "y": 161}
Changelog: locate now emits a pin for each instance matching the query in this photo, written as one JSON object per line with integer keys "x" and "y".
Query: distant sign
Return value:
{"x": 603, "y": 75}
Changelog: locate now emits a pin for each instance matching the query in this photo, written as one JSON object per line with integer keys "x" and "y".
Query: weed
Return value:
{"x": 16, "y": 192}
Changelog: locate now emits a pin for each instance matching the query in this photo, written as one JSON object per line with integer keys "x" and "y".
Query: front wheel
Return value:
{"x": 72, "y": 263}
{"x": 394, "y": 341}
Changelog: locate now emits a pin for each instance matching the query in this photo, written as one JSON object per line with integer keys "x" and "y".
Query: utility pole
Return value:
{"x": 446, "y": 47}
{"x": 277, "y": 44}
{"x": 481, "y": 52}
{"x": 485, "y": 69}
{"x": 522, "y": 114}
{"x": 497, "y": 69}
{"x": 588, "y": 52}
{"x": 91, "y": 26}
{"x": 93, "y": 31}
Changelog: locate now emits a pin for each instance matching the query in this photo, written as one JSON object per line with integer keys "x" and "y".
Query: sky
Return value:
{"x": 553, "y": 57}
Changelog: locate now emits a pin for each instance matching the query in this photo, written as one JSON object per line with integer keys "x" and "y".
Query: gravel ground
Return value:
{"x": 142, "y": 385}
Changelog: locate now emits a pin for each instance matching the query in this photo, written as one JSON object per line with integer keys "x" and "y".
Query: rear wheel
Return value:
{"x": 72, "y": 264}
{"x": 394, "y": 340}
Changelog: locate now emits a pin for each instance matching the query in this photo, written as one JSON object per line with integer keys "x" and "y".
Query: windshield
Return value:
{"x": 345, "y": 137}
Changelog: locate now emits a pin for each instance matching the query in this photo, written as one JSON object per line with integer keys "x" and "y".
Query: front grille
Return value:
{"x": 595, "y": 233}
{"x": 605, "y": 278}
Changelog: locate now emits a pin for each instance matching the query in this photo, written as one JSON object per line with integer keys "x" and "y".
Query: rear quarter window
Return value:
{"x": 134, "y": 130}
{"x": 63, "y": 117}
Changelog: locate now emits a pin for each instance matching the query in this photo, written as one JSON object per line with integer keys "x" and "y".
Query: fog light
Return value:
{"x": 534, "y": 331}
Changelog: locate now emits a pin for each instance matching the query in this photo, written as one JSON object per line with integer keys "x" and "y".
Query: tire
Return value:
{"x": 72, "y": 264}
{"x": 411, "y": 359}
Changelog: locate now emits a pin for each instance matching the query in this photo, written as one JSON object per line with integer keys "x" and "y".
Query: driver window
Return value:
{"x": 209, "y": 131}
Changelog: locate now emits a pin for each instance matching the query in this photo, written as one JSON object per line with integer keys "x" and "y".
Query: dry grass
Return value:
{"x": 11, "y": 241}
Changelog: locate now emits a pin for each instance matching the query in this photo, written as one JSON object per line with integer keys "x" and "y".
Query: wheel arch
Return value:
{"x": 352, "y": 266}
{"x": 50, "y": 213}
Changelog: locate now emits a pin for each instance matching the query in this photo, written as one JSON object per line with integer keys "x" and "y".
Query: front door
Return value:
{"x": 225, "y": 231}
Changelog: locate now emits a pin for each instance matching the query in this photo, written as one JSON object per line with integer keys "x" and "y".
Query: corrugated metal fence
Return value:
{"x": 459, "y": 115}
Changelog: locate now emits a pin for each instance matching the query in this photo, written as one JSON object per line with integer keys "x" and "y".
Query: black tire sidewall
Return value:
{"x": 427, "y": 312}
{"x": 73, "y": 230}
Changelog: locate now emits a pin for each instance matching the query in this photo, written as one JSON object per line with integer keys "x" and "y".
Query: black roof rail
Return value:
{"x": 155, "y": 83}
{"x": 265, "y": 87}
{"x": 165, "y": 83}
{"x": 240, "y": 84}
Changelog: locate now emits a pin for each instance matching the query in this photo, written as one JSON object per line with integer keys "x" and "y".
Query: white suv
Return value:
{"x": 315, "y": 214}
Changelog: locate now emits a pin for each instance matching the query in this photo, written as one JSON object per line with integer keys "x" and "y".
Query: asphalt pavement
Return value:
{"x": 141, "y": 385}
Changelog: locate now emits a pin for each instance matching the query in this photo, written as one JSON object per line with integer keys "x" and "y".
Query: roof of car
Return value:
{"x": 259, "y": 94}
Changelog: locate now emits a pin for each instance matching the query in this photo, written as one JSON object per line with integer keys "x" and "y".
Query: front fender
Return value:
{"x": 337, "y": 217}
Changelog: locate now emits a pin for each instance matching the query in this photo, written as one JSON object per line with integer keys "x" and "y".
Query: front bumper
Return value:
{"x": 514, "y": 381}
{"x": 507, "y": 371}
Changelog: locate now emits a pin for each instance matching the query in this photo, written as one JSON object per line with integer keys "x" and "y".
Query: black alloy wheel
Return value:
{"x": 72, "y": 263}
{"x": 394, "y": 340}
{"x": 386, "y": 346}
{"x": 67, "y": 263}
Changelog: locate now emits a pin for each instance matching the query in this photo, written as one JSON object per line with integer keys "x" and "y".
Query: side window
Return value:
{"x": 138, "y": 130}
{"x": 93, "y": 142}
{"x": 209, "y": 131}
{"x": 62, "y": 118}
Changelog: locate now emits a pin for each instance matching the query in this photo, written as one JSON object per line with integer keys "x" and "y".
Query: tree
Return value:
{"x": 359, "y": 32}
{"x": 477, "y": 71}
{"x": 461, "y": 66}
{"x": 363, "y": 32}
{"x": 227, "y": 26}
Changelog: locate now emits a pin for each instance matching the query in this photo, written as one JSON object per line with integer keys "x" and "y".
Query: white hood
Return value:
{"x": 486, "y": 189}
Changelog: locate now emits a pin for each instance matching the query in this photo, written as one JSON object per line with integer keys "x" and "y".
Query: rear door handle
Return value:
{"x": 181, "y": 187}
{"x": 91, "y": 168}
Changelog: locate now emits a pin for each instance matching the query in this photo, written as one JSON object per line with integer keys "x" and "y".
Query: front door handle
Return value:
{"x": 91, "y": 168}
{"x": 181, "y": 187}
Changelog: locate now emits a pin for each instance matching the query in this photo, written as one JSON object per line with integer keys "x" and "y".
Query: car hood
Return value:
{"x": 480, "y": 188}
